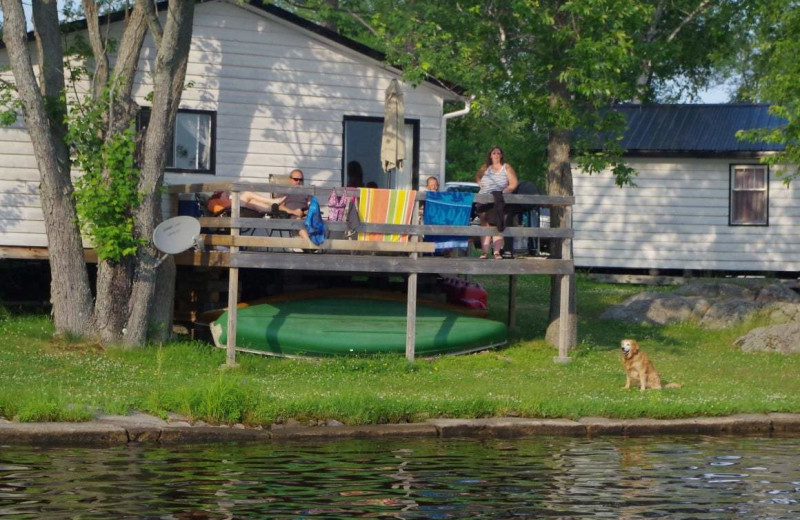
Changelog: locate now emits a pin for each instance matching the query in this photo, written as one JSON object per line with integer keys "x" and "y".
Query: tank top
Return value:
{"x": 494, "y": 181}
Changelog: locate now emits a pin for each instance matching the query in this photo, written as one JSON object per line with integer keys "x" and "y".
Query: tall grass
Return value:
{"x": 46, "y": 380}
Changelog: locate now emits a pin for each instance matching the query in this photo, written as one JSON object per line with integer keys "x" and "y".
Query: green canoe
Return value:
{"x": 329, "y": 326}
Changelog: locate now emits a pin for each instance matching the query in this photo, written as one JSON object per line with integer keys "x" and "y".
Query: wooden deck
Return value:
{"x": 264, "y": 250}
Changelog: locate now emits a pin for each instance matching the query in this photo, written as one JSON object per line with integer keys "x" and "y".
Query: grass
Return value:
{"x": 42, "y": 379}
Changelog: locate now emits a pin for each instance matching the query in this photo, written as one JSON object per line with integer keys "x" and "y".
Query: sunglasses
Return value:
{"x": 298, "y": 179}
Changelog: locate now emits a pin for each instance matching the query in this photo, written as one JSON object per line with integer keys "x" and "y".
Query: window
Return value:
{"x": 362, "y": 143}
{"x": 192, "y": 149}
{"x": 749, "y": 197}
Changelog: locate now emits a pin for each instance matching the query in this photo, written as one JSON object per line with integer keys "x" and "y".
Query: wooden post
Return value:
{"x": 233, "y": 288}
{"x": 564, "y": 317}
{"x": 411, "y": 304}
{"x": 512, "y": 301}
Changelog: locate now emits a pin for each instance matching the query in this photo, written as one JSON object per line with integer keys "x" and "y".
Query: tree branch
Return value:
{"x": 703, "y": 7}
{"x": 100, "y": 76}
{"x": 153, "y": 23}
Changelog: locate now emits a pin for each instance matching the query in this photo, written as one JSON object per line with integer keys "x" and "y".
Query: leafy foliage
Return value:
{"x": 106, "y": 194}
{"x": 778, "y": 68}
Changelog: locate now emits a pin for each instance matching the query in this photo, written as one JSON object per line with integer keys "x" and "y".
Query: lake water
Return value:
{"x": 564, "y": 478}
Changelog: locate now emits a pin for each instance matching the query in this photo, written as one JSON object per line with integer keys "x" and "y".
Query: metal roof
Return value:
{"x": 695, "y": 129}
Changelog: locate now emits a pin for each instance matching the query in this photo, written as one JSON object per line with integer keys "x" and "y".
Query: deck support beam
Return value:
{"x": 411, "y": 306}
{"x": 565, "y": 281}
{"x": 233, "y": 291}
{"x": 512, "y": 302}
{"x": 411, "y": 317}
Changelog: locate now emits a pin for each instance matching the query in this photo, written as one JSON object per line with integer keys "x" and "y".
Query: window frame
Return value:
{"x": 144, "y": 118}
{"x": 415, "y": 125}
{"x": 731, "y": 191}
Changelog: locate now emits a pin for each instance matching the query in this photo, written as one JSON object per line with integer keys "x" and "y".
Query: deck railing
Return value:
{"x": 268, "y": 251}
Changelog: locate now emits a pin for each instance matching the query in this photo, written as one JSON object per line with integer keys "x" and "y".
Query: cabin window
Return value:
{"x": 362, "y": 144}
{"x": 749, "y": 195}
{"x": 192, "y": 149}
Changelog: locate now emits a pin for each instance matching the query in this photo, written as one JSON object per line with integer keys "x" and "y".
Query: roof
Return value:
{"x": 695, "y": 130}
{"x": 80, "y": 25}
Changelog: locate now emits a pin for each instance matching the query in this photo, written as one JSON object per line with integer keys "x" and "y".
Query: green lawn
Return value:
{"x": 42, "y": 380}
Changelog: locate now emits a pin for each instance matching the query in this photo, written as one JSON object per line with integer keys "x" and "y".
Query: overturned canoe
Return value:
{"x": 330, "y": 326}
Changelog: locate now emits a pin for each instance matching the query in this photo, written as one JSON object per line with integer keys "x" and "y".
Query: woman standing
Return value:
{"x": 494, "y": 176}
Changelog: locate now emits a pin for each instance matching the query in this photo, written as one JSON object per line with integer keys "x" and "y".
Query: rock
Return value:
{"x": 714, "y": 305}
{"x": 717, "y": 290}
{"x": 658, "y": 309}
{"x": 724, "y": 314}
{"x": 778, "y": 313}
{"x": 777, "y": 293}
{"x": 776, "y": 338}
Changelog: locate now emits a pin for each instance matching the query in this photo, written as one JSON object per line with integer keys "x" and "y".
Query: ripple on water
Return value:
{"x": 424, "y": 478}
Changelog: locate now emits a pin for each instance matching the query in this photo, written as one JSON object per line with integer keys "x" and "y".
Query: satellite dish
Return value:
{"x": 177, "y": 234}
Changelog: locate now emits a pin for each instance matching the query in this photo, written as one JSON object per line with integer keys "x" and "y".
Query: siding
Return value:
{"x": 677, "y": 218}
{"x": 280, "y": 94}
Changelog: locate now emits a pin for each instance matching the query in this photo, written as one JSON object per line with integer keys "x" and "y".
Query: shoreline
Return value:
{"x": 118, "y": 430}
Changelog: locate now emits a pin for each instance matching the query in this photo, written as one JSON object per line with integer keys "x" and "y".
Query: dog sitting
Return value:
{"x": 638, "y": 367}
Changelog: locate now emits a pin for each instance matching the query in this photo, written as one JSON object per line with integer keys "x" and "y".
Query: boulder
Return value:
{"x": 714, "y": 305}
{"x": 777, "y": 293}
{"x": 717, "y": 290}
{"x": 726, "y": 313}
{"x": 775, "y": 338}
{"x": 657, "y": 309}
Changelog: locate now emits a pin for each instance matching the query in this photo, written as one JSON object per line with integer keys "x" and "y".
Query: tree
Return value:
{"x": 775, "y": 64}
{"x": 550, "y": 66}
{"x": 126, "y": 282}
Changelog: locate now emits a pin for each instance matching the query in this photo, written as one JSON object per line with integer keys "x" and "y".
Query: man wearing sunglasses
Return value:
{"x": 296, "y": 204}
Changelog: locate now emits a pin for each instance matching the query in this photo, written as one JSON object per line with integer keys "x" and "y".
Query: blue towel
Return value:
{"x": 447, "y": 208}
{"x": 314, "y": 224}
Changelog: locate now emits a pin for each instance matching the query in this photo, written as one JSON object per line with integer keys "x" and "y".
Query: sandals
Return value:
{"x": 484, "y": 256}
{"x": 497, "y": 256}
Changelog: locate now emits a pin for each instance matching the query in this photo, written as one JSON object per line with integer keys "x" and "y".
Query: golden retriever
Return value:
{"x": 638, "y": 367}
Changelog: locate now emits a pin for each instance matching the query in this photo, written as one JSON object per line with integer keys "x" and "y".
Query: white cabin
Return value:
{"x": 702, "y": 201}
{"x": 268, "y": 92}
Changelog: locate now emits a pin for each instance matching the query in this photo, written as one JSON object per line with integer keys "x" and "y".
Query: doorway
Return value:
{"x": 362, "y": 143}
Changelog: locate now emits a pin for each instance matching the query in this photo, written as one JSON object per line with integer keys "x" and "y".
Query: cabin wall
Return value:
{"x": 677, "y": 218}
{"x": 280, "y": 95}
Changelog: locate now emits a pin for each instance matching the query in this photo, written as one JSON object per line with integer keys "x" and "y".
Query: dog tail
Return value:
{"x": 673, "y": 385}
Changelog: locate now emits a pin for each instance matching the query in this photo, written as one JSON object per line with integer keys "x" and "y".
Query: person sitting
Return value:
{"x": 355, "y": 175}
{"x": 432, "y": 184}
{"x": 296, "y": 204}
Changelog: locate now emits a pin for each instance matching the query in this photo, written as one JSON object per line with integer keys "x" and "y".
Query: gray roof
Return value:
{"x": 695, "y": 129}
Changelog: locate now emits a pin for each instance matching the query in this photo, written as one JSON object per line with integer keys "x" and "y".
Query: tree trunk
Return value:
{"x": 559, "y": 183}
{"x": 70, "y": 292}
{"x": 170, "y": 73}
{"x": 115, "y": 278}
{"x": 114, "y": 281}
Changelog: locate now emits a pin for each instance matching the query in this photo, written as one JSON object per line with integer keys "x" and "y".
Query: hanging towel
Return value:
{"x": 314, "y": 224}
{"x": 379, "y": 206}
{"x": 447, "y": 208}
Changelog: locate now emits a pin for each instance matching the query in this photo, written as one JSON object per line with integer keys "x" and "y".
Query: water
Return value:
{"x": 563, "y": 478}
